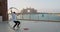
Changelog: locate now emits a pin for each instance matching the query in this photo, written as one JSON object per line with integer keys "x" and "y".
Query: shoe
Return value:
{"x": 18, "y": 27}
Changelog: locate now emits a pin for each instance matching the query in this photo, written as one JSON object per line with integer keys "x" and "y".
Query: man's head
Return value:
{"x": 14, "y": 12}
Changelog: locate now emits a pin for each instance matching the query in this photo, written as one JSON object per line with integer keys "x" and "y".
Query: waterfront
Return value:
{"x": 53, "y": 17}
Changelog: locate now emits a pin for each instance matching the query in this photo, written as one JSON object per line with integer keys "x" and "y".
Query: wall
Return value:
{"x": 3, "y": 10}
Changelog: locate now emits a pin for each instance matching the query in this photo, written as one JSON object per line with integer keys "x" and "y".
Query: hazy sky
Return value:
{"x": 40, "y": 5}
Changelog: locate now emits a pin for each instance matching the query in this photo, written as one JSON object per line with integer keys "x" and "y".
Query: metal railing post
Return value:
{"x": 38, "y": 16}
{"x": 22, "y": 16}
{"x": 30, "y": 17}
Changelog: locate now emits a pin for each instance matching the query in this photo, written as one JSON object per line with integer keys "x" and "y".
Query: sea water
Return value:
{"x": 53, "y": 17}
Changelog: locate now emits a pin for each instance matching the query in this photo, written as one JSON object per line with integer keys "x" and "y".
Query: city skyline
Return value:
{"x": 40, "y": 5}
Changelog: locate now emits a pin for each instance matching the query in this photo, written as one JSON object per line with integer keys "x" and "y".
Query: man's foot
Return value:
{"x": 18, "y": 27}
{"x": 13, "y": 28}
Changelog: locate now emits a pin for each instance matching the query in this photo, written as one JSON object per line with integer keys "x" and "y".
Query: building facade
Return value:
{"x": 29, "y": 10}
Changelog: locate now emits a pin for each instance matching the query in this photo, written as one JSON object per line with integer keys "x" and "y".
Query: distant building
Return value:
{"x": 29, "y": 10}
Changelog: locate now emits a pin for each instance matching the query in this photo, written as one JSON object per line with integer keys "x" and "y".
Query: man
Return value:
{"x": 14, "y": 18}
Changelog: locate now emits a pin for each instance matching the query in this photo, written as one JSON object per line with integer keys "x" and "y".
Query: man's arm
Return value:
{"x": 11, "y": 11}
{"x": 17, "y": 14}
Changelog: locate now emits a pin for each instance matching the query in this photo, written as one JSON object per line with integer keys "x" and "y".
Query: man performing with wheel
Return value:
{"x": 14, "y": 18}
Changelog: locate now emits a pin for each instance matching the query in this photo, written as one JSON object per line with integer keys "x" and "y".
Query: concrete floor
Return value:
{"x": 33, "y": 26}
{"x": 4, "y": 27}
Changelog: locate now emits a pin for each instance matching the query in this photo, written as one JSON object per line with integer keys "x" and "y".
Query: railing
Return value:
{"x": 39, "y": 16}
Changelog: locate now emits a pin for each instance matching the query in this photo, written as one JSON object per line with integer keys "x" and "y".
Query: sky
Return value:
{"x": 40, "y": 5}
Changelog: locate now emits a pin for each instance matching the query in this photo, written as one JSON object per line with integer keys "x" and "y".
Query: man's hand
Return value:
{"x": 11, "y": 11}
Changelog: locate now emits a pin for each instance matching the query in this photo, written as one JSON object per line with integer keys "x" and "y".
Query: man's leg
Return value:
{"x": 15, "y": 24}
{"x": 18, "y": 24}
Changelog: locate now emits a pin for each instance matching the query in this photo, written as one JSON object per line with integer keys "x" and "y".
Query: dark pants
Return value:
{"x": 16, "y": 24}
